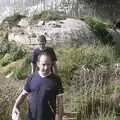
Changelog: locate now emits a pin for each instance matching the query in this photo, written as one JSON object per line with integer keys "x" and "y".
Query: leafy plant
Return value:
{"x": 100, "y": 30}
{"x": 13, "y": 20}
{"x": 49, "y": 15}
{"x": 17, "y": 72}
{"x": 6, "y": 59}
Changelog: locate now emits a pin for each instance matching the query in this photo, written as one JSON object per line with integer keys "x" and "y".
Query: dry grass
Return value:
{"x": 94, "y": 93}
{"x": 91, "y": 85}
{"x": 9, "y": 90}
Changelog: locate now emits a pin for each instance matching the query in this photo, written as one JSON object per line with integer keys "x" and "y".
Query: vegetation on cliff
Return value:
{"x": 90, "y": 75}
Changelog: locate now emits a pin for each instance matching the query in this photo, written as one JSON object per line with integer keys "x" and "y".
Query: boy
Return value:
{"x": 42, "y": 48}
{"x": 46, "y": 90}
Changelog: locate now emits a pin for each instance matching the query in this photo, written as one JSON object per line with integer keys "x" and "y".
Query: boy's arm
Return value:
{"x": 59, "y": 107}
{"x": 54, "y": 67}
{"x": 33, "y": 68}
{"x": 19, "y": 101}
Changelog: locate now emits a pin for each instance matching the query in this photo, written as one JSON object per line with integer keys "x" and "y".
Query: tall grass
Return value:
{"x": 88, "y": 75}
{"x": 90, "y": 79}
{"x": 92, "y": 92}
{"x": 9, "y": 90}
{"x": 90, "y": 56}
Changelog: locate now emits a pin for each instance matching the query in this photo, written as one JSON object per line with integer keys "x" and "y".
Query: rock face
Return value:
{"x": 66, "y": 33}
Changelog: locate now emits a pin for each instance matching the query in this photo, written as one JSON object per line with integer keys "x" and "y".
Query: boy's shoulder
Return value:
{"x": 55, "y": 77}
{"x": 49, "y": 48}
{"x": 31, "y": 76}
{"x": 36, "y": 50}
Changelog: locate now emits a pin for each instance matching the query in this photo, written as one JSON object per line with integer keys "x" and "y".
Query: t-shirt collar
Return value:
{"x": 43, "y": 48}
{"x": 42, "y": 76}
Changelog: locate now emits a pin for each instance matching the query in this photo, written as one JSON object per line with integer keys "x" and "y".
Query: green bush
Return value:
{"x": 19, "y": 53}
{"x": 4, "y": 45}
{"x": 6, "y": 59}
{"x": 13, "y": 20}
{"x": 49, "y": 15}
{"x": 22, "y": 71}
{"x": 1, "y": 56}
{"x": 11, "y": 52}
{"x": 11, "y": 47}
{"x": 17, "y": 72}
{"x": 100, "y": 30}
{"x": 41, "y": 15}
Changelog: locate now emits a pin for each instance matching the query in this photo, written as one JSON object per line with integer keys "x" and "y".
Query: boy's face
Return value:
{"x": 44, "y": 64}
{"x": 42, "y": 44}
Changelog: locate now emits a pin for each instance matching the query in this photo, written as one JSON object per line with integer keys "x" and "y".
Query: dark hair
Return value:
{"x": 41, "y": 38}
{"x": 44, "y": 53}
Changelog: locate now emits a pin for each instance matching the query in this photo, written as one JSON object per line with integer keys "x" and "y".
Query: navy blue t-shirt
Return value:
{"x": 42, "y": 102}
{"x": 37, "y": 52}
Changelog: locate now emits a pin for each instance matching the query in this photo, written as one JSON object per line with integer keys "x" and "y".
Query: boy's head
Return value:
{"x": 42, "y": 41}
{"x": 44, "y": 63}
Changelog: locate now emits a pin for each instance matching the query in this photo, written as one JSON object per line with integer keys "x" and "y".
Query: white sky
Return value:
{"x": 7, "y": 2}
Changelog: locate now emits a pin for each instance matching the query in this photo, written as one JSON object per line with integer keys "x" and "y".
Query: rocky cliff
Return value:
{"x": 68, "y": 32}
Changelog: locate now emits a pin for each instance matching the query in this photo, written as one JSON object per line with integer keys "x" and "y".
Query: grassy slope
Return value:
{"x": 87, "y": 77}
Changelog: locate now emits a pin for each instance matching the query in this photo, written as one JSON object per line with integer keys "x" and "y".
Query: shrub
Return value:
{"x": 41, "y": 15}
{"x": 17, "y": 72}
{"x": 23, "y": 71}
{"x": 11, "y": 47}
{"x": 49, "y": 15}
{"x": 100, "y": 30}
{"x": 13, "y": 20}
{"x": 4, "y": 70}
{"x": 6, "y": 59}
{"x": 19, "y": 53}
{"x": 11, "y": 52}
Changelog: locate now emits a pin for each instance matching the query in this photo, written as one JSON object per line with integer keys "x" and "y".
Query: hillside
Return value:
{"x": 88, "y": 62}
{"x": 60, "y": 30}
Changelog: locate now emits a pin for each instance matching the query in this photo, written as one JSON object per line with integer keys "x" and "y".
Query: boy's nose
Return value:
{"x": 46, "y": 67}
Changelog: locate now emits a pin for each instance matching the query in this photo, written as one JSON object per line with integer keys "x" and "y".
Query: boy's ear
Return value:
{"x": 38, "y": 64}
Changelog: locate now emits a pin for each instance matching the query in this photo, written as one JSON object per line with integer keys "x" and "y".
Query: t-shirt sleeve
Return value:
{"x": 60, "y": 89}
{"x": 27, "y": 84}
{"x": 53, "y": 55}
{"x": 34, "y": 56}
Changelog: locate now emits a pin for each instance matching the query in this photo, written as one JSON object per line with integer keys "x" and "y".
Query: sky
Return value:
{"x": 7, "y": 2}
{"x": 7, "y": 6}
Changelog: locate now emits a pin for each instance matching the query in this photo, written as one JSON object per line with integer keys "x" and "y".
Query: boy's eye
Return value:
{"x": 46, "y": 64}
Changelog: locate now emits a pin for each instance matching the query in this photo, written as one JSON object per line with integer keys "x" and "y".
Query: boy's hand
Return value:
{"x": 15, "y": 114}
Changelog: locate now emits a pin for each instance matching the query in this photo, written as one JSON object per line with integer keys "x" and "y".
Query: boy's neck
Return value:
{"x": 42, "y": 48}
{"x": 43, "y": 75}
